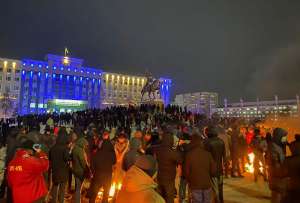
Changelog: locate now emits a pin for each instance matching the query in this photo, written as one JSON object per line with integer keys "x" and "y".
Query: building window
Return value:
{"x": 1, "y": 69}
{"x": 8, "y": 78}
{"x": 17, "y": 79}
{"x": 18, "y": 71}
{"x": 9, "y": 70}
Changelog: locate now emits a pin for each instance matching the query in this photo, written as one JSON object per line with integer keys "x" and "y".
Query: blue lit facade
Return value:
{"x": 55, "y": 78}
{"x": 66, "y": 80}
{"x": 165, "y": 90}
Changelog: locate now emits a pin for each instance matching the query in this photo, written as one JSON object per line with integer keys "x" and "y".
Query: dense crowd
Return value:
{"x": 140, "y": 151}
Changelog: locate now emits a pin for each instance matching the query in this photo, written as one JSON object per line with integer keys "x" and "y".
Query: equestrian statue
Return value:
{"x": 152, "y": 86}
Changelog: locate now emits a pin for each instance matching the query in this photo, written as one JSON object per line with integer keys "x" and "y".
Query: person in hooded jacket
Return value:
{"x": 102, "y": 163}
{"x": 295, "y": 145}
{"x": 292, "y": 170}
{"x": 80, "y": 165}
{"x": 259, "y": 146}
{"x": 59, "y": 158}
{"x": 167, "y": 159}
{"x": 138, "y": 184}
{"x": 134, "y": 152}
{"x": 216, "y": 147}
{"x": 199, "y": 167}
{"x": 275, "y": 158}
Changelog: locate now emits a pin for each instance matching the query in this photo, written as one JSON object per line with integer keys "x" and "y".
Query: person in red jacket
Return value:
{"x": 25, "y": 174}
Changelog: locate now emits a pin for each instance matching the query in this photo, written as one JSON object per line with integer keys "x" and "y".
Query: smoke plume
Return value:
{"x": 280, "y": 75}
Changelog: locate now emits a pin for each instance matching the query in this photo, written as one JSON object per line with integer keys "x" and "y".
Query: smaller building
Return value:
{"x": 260, "y": 109}
{"x": 198, "y": 102}
{"x": 10, "y": 81}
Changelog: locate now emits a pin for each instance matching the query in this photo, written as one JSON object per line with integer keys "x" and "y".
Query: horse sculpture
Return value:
{"x": 151, "y": 88}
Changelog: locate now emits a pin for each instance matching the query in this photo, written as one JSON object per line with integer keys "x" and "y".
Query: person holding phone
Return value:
{"x": 25, "y": 174}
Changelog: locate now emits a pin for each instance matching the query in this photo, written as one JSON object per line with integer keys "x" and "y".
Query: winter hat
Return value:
{"x": 28, "y": 144}
{"x": 135, "y": 143}
{"x": 147, "y": 163}
{"x": 212, "y": 131}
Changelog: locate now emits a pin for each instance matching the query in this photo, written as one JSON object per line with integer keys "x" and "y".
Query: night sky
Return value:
{"x": 236, "y": 48}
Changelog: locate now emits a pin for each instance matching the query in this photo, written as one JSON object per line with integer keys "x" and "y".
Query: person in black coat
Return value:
{"x": 167, "y": 159}
{"x": 291, "y": 168}
{"x": 216, "y": 147}
{"x": 135, "y": 146}
{"x": 102, "y": 164}
{"x": 59, "y": 158}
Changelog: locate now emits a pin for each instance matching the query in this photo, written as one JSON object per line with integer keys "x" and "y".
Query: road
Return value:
{"x": 245, "y": 190}
{"x": 239, "y": 190}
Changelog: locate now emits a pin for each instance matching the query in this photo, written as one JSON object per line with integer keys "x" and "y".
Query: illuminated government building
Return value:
{"x": 64, "y": 84}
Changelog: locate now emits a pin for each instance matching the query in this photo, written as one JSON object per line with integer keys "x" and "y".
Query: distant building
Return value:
{"x": 10, "y": 81}
{"x": 198, "y": 102}
{"x": 260, "y": 109}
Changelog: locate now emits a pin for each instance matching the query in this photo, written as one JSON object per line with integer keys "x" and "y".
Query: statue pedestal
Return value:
{"x": 157, "y": 102}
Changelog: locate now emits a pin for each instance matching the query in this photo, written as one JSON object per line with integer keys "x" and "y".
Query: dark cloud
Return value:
{"x": 203, "y": 45}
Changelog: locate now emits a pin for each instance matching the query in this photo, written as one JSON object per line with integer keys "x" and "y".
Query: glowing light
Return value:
{"x": 32, "y": 65}
{"x": 119, "y": 186}
{"x": 107, "y": 75}
{"x": 24, "y": 64}
{"x": 14, "y": 64}
{"x": 40, "y": 65}
{"x": 112, "y": 77}
{"x": 250, "y": 166}
{"x": 69, "y": 69}
{"x": 118, "y": 77}
{"x": 66, "y": 60}
{"x": 54, "y": 67}
{"x": 39, "y": 74}
{"x": 112, "y": 190}
{"x": 23, "y": 72}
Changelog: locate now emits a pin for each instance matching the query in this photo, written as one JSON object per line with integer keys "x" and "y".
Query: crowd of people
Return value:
{"x": 142, "y": 151}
